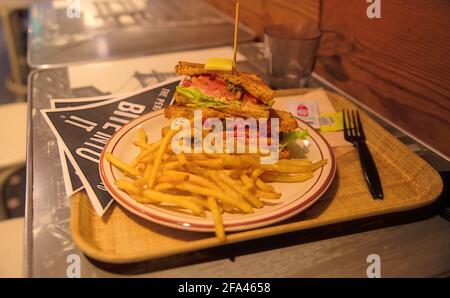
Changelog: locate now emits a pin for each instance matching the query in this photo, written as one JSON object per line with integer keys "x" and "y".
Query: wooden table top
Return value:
{"x": 420, "y": 248}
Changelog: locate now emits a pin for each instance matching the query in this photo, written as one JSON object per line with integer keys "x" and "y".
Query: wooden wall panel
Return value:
{"x": 398, "y": 65}
{"x": 258, "y": 13}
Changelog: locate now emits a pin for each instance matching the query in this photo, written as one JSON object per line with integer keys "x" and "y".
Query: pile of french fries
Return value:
{"x": 199, "y": 182}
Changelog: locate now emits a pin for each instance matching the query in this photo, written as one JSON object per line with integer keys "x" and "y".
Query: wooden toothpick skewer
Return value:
{"x": 236, "y": 29}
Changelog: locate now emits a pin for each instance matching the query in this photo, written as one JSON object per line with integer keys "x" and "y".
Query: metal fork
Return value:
{"x": 354, "y": 133}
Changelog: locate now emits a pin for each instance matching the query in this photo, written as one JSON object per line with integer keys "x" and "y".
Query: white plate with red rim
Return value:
{"x": 295, "y": 198}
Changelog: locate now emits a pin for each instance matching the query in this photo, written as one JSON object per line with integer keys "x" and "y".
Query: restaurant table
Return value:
{"x": 413, "y": 243}
{"x": 116, "y": 29}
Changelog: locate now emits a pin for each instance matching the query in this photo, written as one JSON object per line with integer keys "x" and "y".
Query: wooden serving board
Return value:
{"x": 408, "y": 183}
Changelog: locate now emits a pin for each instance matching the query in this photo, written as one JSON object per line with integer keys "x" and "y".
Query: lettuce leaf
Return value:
{"x": 293, "y": 136}
{"x": 198, "y": 99}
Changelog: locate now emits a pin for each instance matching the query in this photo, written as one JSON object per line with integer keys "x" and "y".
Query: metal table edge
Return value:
{"x": 28, "y": 226}
{"x": 119, "y": 57}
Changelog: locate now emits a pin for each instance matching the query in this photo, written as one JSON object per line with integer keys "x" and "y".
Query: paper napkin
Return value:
{"x": 335, "y": 139}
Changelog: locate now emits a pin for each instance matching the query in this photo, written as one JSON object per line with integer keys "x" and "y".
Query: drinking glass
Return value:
{"x": 292, "y": 53}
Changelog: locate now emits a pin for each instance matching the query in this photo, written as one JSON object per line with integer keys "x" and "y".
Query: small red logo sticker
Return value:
{"x": 302, "y": 111}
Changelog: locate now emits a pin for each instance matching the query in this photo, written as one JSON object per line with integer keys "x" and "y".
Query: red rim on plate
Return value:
{"x": 298, "y": 204}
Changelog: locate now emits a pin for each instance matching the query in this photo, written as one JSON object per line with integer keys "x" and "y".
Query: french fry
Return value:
{"x": 267, "y": 195}
{"x": 226, "y": 188}
{"x": 172, "y": 165}
{"x": 210, "y": 163}
{"x": 256, "y": 173}
{"x": 146, "y": 153}
{"x": 149, "y": 158}
{"x": 235, "y": 173}
{"x": 121, "y": 165}
{"x": 262, "y": 186}
{"x": 202, "y": 181}
{"x": 239, "y": 161}
{"x": 198, "y": 200}
{"x": 240, "y": 204}
{"x": 196, "y": 182}
{"x": 241, "y": 190}
{"x": 150, "y": 155}
{"x": 319, "y": 164}
{"x": 288, "y": 169}
{"x": 165, "y": 130}
{"x": 192, "y": 168}
{"x": 166, "y": 157}
{"x": 182, "y": 159}
{"x": 172, "y": 178}
{"x": 164, "y": 186}
{"x": 249, "y": 184}
{"x": 141, "y": 198}
{"x": 141, "y": 167}
{"x": 149, "y": 196}
{"x": 231, "y": 172}
{"x": 294, "y": 162}
{"x": 128, "y": 187}
{"x": 226, "y": 207}
{"x": 142, "y": 145}
{"x": 156, "y": 164}
{"x": 213, "y": 155}
{"x": 273, "y": 177}
{"x": 293, "y": 167}
{"x": 152, "y": 148}
{"x": 169, "y": 158}
{"x": 142, "y": 135}
{"x": 141, "y": 182}
{"x": 196, "y": 156}
{"x": 217, "y": 217}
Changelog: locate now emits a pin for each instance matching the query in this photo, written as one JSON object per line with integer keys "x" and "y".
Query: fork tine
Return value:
{"x": 344, "y": 118}
{"x": 350, "y": 124}
{"x": 354, "y": 128}
{"x": 361, "y": 130}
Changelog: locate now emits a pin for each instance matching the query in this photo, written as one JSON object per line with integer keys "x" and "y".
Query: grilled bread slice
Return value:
{"x": 246, "y": 110}
{"x": 250, "y": 82}
{"x": 179, "y": 111}
{"x": 286, "y": 121}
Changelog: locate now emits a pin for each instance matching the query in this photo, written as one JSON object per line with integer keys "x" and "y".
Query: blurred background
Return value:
{"x": 13, "y": 119}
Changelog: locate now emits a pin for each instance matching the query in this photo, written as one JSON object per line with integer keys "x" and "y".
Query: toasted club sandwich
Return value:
{"x": 222, "y": 94}
{"x": 233, "y": 93}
